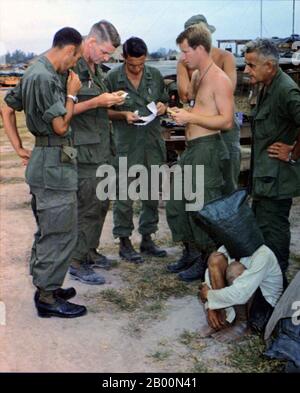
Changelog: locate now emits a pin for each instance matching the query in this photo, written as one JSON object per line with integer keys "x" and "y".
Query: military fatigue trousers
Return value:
{"x": 209, "y": 151}
{"x": 55, "y": 212}
{"x": 123, "y": 215}
{"x": 272, "y": 216}
{"x": 91, "y": 217}
{"x": 231, "y": 169}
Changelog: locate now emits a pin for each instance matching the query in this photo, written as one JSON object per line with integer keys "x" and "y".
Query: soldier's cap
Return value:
{"x": 195, "y": 19}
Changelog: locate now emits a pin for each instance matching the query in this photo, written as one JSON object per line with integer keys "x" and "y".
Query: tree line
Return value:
{"x": 18, "y": 56}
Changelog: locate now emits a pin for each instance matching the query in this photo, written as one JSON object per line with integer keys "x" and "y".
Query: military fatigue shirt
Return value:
{"x": 276, "y": 118}
{"x": 42, "y": 96}
{"x": 134, "y": 141}
{"x": 91, "y": 129}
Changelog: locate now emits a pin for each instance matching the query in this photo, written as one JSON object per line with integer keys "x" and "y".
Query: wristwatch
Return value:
{"x": 73, "y": 98}
{"x": 291, "y": 161}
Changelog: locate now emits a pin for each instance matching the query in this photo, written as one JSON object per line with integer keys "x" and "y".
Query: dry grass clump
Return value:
{"x": 247, "y": 357}
{"x": 146, "y": 284}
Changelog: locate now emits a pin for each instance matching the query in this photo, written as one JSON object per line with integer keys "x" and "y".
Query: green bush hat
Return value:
{"x": 195, "y": 19}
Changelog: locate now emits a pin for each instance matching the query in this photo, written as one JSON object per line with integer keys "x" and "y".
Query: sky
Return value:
{"x": 29, "y": 25}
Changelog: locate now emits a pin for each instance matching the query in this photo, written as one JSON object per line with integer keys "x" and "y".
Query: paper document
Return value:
{"x": 147, "y": 119}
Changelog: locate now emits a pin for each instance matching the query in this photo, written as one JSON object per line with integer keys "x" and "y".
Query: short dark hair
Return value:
{"x": 105, "y": 31}
{"x": 196, "y": 35}
{"x": 134, "y": 47}
{"x": 66, "y": 36}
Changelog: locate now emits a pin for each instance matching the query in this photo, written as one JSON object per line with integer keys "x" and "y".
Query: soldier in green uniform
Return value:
{"x": 51, "y": 171}
{"x": 276, "y": 146}
{"x": 92, "y": 139}
{"x": 140, "y": 144}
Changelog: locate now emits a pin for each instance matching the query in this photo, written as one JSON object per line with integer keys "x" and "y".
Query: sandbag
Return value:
{"x": 230, "y": 221}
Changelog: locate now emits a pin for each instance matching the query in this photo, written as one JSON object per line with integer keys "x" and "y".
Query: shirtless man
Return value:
{"x": 213, "y": 111}
{"x": 226, "y": 61}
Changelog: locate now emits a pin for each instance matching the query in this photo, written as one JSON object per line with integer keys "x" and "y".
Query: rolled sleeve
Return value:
{"x": 50, "y": 99}
{"x": 14, "y": 98}
{"x": 55, "y": 110}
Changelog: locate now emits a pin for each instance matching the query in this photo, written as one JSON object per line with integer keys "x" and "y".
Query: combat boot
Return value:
{"x": 189, "y": 256}
{"x": 194, "y": 272}
{"x": 50, "y": 305}
{"x": 60, "y": 308}
{"x": 84, "y": 273}
{"x": 127, "y": 252}
{"x": 148, "y": 247}
{"x": 63, "y": 293}
{"x": 96, "y": 259}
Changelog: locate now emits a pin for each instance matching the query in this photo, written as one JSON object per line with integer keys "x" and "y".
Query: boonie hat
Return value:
{"x": 195, "y": 19}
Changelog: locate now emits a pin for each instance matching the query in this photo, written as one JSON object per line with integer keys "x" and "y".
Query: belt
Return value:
{"x": 52, "y": 140}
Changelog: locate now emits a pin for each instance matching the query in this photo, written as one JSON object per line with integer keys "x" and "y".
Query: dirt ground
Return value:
{"x": 142, "y": 320}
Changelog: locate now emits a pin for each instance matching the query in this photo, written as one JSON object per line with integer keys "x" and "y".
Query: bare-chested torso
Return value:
{"x": 203, "y": 94}
{"x": 205, "y": 103}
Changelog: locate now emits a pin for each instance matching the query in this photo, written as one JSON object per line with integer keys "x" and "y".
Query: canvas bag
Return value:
{"x": 230, "y": 221}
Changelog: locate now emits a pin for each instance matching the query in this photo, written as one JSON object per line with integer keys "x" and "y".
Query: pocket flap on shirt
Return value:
{"x": 263, "y": 113}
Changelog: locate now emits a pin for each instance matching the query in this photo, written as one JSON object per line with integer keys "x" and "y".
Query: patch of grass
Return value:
{"x": 295, "y": 258}
{"x": 165, "y": 242}
{"x": 115, "y": 263}
{"x": 116, "y": 297}
{"x": 154, "y": 308}
{"x": 134, "y": 329}
{"x": 163, "y": 342}
{"x": 137, "y": 207}
{"x": 160, "y": 355}
{"x": 198, "y": 366}
{"x": 150, "y": 311}
{"x": 187, "y": 337}
{"x": 247, "y": 356}
{"x": 11, "y": 180}
{"x": 147, "y": 285}
{"x": 192, "y": 340}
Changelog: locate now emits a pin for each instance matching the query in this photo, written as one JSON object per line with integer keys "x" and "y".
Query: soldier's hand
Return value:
{"x": 73, "y": 83}
{"x": 161, "y": 108}
{"x": 120, "y": 95}
{"x": 106, "y": 100}
{"x": 280, "y": 151}
{"x": 131, "y": 117}
{"x": 24, "y": 154}
{"x": 180, "y": 116}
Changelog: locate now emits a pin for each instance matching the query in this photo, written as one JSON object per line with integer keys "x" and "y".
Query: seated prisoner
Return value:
{"x": 230, "y": 282}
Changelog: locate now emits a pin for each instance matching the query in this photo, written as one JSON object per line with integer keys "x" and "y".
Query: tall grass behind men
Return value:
{"x": 275, "y": 172}
{"x": 92, "y": 139}
{"x": 140, "y": 144}
{"x": 51, "y": 171}
{"x": 213, "y": 111}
